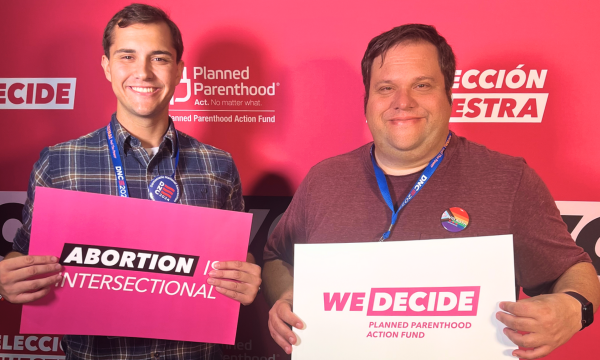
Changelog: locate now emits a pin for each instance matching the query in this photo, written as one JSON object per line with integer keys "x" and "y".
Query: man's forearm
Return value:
{"x": 580, "y": 278}
{"x": 278, "y": 281}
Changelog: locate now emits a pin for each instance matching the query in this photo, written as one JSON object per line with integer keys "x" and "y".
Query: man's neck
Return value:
{"x": 398, "y": 163}
{"x": 149, "y": 131}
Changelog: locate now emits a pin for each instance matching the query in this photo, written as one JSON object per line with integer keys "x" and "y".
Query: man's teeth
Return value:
{"x": 142, "y": 89}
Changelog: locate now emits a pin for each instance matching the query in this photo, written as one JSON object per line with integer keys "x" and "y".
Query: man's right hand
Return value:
{"x": 281, "y": 318}
{"x": 16, "y": 272}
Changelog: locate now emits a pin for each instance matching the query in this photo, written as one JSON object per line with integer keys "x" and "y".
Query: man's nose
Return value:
{"x": 403, "y": 99}
{"x": 143, "y": 70}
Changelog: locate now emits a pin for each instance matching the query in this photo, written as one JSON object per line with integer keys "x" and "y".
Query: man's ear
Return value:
{"x": 180, "y": 67}
{"x": 106, "y": 66}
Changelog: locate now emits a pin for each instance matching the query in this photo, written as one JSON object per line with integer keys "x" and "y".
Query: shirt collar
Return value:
{"x": 126, "y": 141}
{"x": 447, "y": 154}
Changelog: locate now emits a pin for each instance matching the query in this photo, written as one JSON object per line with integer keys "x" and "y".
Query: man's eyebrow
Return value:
{"x": 383, "y": 82}
{"x": 421, "y": 78}
{"x": 125, "y": 51}
{"x": 155, "y": 52}
{"x": 161, "y": 52}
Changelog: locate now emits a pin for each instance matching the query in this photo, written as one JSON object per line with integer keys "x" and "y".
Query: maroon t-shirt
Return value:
{"x": 339, "y": 201}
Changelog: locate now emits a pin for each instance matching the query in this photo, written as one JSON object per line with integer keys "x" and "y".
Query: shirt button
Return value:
{"x": 157, "y": 354}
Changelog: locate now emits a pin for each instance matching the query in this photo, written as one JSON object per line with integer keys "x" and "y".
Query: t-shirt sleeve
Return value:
{"x": 291, "y": 229}
{"x": 39, "y": 177}
{"x": 544, "y": 249}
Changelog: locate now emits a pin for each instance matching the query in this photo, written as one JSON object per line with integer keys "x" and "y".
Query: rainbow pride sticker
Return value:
{"x": 455, "y": 219}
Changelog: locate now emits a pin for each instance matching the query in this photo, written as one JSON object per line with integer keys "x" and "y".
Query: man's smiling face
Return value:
{"x": 408, "y": 107}
{"x": 143, "y": 70}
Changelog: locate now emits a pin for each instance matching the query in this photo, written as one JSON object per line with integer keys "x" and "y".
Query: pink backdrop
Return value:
{"x": 308, "y": 54}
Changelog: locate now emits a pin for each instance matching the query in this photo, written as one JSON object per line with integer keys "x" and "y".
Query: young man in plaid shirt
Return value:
{"x": 142, "y": 60}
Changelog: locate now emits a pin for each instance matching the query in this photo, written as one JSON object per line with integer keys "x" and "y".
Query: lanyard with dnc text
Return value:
{"x": 162, "y": 188}
{"x": 385, "y": 191}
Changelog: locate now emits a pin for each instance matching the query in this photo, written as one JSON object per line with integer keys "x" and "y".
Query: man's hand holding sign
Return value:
{"x": 246, "y": 278}
{"x": 279, "y": 275}
{"x": 542, "y": 323}
{"x": 20, "y": 277}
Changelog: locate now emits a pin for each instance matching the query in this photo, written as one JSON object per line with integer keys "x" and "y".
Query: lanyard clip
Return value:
{"x": 387, "y": 233}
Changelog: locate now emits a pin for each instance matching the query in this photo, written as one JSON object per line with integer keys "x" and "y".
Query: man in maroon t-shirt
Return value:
{"x": 408, "y": 74}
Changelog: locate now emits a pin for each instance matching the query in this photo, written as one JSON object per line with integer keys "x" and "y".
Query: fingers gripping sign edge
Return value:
{"x": 16, "y": 273}
{"x": 237, "y": 280}
{"x": 281, "y": 318}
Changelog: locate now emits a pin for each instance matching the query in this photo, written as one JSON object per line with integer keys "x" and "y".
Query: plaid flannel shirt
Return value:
{"x": 206, "y": 175}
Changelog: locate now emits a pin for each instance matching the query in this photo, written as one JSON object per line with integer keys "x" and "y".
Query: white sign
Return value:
{"x": 37, "y": 93}
{"x": 429, "y": 299}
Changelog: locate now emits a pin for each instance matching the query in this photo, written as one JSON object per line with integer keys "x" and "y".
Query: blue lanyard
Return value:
{"x": 385, "y": 191}
{"x": 113, "y": 148}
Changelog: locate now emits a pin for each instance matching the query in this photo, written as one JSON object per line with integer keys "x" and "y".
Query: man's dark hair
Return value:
{"x": 379, "y": 45}
{"x": 141, "y": 14}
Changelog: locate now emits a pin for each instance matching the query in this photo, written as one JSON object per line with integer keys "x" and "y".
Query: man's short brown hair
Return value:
{"x": 141, "y": 14}
{"x": 379, "y": 46}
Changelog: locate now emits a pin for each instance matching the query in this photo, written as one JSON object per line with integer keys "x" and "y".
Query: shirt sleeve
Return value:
{"x": 39, "y": 177}
{"x": 235, "y": 201}
{"x": 544, "y": 249}
{"x": 291, "y": 229}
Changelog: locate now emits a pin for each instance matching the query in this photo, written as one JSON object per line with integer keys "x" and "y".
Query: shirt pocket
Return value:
{"x": 206, "y": 194}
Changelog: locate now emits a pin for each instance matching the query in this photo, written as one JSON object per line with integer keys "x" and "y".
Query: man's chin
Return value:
{"x": 398, "y": 146}
{"x": 142, "y": 115}
{"x": 405, "y": 142}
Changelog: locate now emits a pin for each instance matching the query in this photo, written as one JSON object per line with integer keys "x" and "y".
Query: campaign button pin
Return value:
{"x": 455, "y": 219}
{"x": 164, "y": 188}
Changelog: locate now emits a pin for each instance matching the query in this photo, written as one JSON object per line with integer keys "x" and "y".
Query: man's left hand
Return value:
{"x": 237, "y": 280}
{"x": 547, "y": 320}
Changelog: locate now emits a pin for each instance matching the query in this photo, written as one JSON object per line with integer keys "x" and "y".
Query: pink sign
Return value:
{"x": 134, "y": 267}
